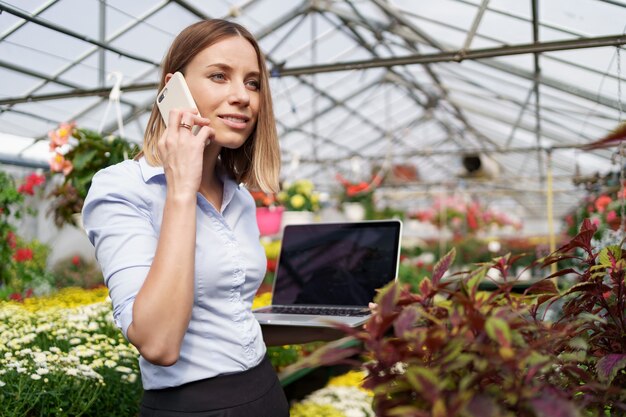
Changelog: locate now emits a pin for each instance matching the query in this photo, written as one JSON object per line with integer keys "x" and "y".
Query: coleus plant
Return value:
{"x": 594, "y": 309}
{"x": 452, "y": 350}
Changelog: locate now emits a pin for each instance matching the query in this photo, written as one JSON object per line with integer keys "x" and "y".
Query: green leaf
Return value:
{"x": 82, "y": 159}
{"x": 387, "y": 298}
{"x": 608, "y": 366}
{"x": 476, "y": 277}
{"x": 425, "y": 381}
{"x": 616, "y": 254}
{"x": 578, "y": 343}
{"x": 442, "y": 266}
{"x": 498, "y": 330}
{"x": 405, "y": 411}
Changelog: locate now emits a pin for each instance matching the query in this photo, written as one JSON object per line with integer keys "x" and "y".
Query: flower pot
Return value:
{"x": 269, "y": 219}
{"x": 296, "y": 217}
{"x": 354, "y": 212}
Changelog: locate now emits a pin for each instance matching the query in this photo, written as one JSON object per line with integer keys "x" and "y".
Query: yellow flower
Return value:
{"x": 262, "y": 300}
{"x": 350, "y": 379}
{"x": 272, "y": 248}
{"x": 304, "y": 187}
{"x": 297, "y": 201}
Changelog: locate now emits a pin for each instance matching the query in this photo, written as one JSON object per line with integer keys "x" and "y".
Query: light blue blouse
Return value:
{"x": 122, "y": 216}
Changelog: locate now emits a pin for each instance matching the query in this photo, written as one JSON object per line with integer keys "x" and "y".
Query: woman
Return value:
{"x": 176, "y": 235}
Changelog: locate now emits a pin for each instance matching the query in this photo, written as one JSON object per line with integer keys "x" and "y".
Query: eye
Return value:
{"x": 253, "y": 85}
{"x": 218, "y": 76}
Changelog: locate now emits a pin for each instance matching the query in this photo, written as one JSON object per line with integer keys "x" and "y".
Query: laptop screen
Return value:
{"x": 338, "y": 264}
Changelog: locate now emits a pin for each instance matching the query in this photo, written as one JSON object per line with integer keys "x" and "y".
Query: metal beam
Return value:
{"x": 475, "y": 23}
{"x": 101, "y": 92}
{"x": 23, "y": 162}
{"x": 34, "y": 74}
{"x": 18, "y": 25}
{"x": 536, "y": 83}
{"x": 456, "y": 56}
{"x": 15, "y": 12}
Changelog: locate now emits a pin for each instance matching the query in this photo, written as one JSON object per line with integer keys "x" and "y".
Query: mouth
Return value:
{"x": 236, "y": 121}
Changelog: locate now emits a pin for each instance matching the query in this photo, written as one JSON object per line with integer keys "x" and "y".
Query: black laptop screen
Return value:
{"x": 336, "y": 263}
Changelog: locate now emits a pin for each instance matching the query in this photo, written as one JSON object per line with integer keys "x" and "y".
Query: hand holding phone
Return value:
{"x": 176, "y": 95}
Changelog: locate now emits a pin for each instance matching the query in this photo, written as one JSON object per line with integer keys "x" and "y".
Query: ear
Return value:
{"x": 168, "y": 76}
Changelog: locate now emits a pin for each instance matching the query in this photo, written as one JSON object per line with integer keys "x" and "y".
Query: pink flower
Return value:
{"x": 59, "y": 164}
{"x": 611, "y": 216}
{"x": 60, "y": 136}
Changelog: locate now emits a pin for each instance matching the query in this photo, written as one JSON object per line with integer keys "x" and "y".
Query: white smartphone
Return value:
{"x": 176, "y": 95}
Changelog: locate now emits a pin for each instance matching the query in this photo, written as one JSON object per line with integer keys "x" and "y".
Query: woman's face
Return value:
{"x": 224, "y": 80}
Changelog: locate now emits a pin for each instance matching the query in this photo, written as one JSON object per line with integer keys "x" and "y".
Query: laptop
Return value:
{"x": 329, "y": 272}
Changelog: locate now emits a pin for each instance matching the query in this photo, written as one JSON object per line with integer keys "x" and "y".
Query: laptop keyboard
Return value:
{"x": 323, "y": 311}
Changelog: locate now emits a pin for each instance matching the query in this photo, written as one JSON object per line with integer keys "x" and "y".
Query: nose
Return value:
{"x": 239, "y": 94}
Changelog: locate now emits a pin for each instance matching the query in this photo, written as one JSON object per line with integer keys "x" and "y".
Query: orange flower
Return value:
{"x": 59, "y": 164}
{"x": 60, "y": 136}
{"x": 601, "y": 203}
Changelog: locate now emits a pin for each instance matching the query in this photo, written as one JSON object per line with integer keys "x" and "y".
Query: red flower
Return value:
{"x": 361, "y": 187}
{"x": 271, "y": 265}
{"x": 16, "y": 296}
{"x": 28, "y": 293}
{"x": 11, "y": 239}
{"x": 76, "y": 260}
{"x": 31, "y": 182}
{"x": 23, "y": 254}
{"x": 472, "y": 222}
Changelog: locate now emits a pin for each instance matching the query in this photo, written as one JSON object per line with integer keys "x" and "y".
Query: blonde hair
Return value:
{"x": 257, "y": 162}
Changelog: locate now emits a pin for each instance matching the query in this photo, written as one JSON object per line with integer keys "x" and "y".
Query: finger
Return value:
{"x": 207, "y": 133}
{"x": 174, "y": 118}
{"x": 186, "y": 122}
{"x": 201, "y": 121}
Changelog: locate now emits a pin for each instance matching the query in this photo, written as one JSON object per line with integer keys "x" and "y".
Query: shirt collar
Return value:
{"x": 148, "y": 171}
{"x": 230, "y": 186}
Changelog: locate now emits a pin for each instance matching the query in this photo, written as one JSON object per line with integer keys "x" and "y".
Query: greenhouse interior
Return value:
{"x": 489, "y": 135}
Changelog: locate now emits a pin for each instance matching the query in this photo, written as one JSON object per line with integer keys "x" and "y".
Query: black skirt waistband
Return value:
{"x": 215, "y": 393}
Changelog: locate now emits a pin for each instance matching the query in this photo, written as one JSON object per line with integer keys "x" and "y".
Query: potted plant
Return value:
{"x": 78, "y": 155}
{"x": 300, "y": 201}
{"x": 268, "y": 213}
{"x": 452, "y": 350}
{"x": 357, "y": 198}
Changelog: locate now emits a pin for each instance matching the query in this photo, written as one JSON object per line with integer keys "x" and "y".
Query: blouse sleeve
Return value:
{"x": 117, "y": 219}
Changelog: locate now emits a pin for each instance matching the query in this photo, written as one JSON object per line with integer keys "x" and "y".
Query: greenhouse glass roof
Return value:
{"x": 359, "y": 86}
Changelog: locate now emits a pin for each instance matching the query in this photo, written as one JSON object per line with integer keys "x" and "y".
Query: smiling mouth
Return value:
{"x": 235, "y": 119}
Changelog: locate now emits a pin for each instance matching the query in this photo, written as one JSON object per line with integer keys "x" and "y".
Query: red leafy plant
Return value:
{"x": 594, "y": 309}
{"x": 452, "y": 350}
